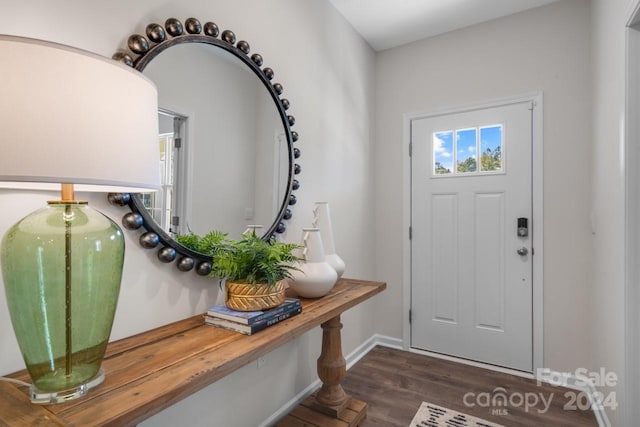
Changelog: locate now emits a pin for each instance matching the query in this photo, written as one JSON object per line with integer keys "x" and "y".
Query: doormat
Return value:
{"x": 430, "y": 415}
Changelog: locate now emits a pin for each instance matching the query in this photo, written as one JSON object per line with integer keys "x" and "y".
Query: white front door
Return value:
{"x": 471, "y": 268}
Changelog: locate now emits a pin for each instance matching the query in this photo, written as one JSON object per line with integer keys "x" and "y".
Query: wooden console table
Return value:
{"x": 151, "y": 371}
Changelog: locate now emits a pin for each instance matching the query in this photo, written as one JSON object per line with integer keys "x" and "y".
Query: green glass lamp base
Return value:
{"x": 62, "y": 267}
{"x": 50, "y": 397}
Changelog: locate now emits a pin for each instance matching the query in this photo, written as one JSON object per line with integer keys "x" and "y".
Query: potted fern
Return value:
{"x": 255, "y": 269}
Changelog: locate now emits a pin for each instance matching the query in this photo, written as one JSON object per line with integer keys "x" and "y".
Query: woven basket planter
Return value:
{"x": 247, "y": 297}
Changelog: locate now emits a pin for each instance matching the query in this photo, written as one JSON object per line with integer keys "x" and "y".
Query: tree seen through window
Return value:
{"x": 460, "y": 147}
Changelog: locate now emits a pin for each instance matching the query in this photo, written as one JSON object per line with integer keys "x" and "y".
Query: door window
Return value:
{"x": 460, "y": 147}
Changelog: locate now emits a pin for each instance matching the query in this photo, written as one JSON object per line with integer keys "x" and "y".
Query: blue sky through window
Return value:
{"x": 466, "y": 149}
{"x": 490, "y": 137}
{"x": 443, "y": 151}
{"x": 470, "y": 149}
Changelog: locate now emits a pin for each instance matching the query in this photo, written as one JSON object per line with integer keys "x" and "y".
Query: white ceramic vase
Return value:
{"x": 322, "y": 220}
{"x": 316, "y": 277}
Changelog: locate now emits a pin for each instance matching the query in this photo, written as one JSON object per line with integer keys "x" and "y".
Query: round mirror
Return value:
{"x": 224, "y": 154}
{"x": 225, "y": 140}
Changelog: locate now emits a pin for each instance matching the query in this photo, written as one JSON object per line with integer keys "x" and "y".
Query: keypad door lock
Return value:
{"x": 523, "y": 227}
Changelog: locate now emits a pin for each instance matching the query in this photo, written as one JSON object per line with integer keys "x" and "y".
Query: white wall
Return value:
{"x": 327, "y": 74}
{"x": 609, "y": 19}
{"x": 545, "y": 49}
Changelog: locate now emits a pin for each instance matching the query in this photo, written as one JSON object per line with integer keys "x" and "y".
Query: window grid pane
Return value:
{"x": 491, "y": 148}
{"x": 467, "y": 147}
{"x": 443, "y": 152}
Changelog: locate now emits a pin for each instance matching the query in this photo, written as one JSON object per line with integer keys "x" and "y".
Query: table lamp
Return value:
{"x": 69, "y": 119}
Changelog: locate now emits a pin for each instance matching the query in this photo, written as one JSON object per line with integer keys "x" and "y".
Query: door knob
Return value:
{"x": 522, "y": 251}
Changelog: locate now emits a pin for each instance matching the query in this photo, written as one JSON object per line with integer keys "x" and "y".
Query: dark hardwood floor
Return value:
{"x": 394, "y": 383}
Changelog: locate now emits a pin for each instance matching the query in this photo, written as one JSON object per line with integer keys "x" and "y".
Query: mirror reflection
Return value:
{"x": 223, "y": 145}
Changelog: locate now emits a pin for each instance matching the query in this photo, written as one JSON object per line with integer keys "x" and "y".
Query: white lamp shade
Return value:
{"x": 71, "y": 116}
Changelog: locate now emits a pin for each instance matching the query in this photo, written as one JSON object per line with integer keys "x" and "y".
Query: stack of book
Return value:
{"x": 250, "y": 322}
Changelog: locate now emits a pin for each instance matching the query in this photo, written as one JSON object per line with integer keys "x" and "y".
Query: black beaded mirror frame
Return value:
{"x": 144, "y": 49}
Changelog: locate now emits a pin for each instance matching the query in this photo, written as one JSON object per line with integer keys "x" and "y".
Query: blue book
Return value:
{"x": 251, "y": 317}
{"x": 255, "y": 327}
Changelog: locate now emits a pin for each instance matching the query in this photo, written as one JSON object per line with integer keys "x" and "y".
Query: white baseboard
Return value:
{"x": 550, "y": 377}
{"x": 351, "y": 359}
{"x": 368, "y": 345}
{"x": 291, "y": 404}
{"x": 580, "y": 384}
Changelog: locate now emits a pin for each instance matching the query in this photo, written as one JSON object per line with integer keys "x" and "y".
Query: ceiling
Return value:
{"x": 385, "y": 24}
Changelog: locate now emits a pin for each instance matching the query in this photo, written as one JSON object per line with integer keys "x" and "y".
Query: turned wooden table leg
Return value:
{"x": 332, "y": 368}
